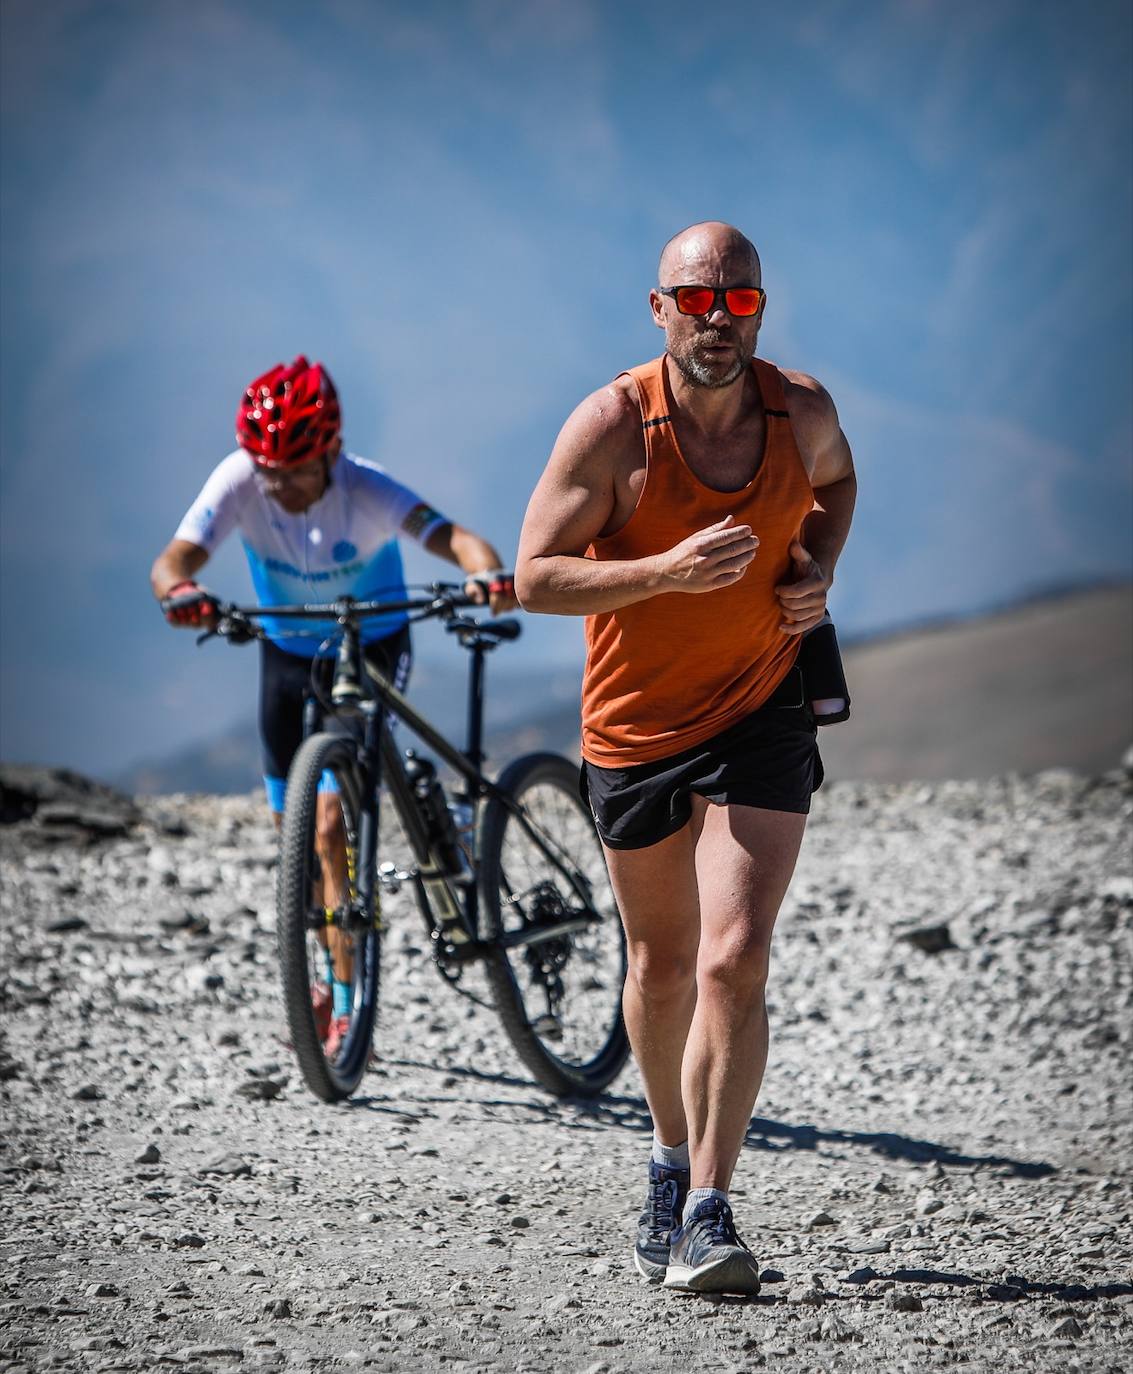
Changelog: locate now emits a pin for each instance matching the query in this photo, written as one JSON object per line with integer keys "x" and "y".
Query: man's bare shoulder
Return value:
{"x": 807, "y": 399}
{"x": 588, "y": 476}
{"x": 607, "y": 420}
{"x": 818, "y": 431}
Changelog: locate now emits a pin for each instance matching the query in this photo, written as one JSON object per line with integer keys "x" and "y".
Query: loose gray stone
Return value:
{"x": 228, "y": 1166}
{"x": 833, "y": 1328}
{"x": 930, "y": 939}
{"x": 102, "y": 1290}
{"x": 1005, "y": 1292}
{"x": 260, "y": 1089}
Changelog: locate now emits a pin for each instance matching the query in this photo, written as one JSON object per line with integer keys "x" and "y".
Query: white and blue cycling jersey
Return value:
{"x": 345, "y": 544}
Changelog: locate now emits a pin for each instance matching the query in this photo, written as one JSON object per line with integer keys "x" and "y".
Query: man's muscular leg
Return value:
{"x": 658, "y": 900}
{"x": 699, "y": 909}
{"x": 745, "y": 857}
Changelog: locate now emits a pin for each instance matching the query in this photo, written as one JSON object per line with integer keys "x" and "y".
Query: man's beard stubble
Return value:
{"x": 696, "y": 372}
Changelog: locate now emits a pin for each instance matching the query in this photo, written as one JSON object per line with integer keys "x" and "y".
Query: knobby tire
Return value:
{"x": 330, "y": 1081}
{"x": 549, "y": 784}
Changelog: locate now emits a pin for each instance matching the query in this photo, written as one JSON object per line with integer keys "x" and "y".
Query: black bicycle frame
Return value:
{"x": 450, "y": 908}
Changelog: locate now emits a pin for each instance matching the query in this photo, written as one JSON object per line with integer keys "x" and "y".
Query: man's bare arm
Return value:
{"x": 179, "y": 561}
{"x": 575, "y": 501}
{"x": 830, "y": 465}
{"x": 471, "y": 554}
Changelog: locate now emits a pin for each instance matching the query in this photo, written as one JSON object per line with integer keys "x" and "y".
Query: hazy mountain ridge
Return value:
{"x": 1043, "y": 683}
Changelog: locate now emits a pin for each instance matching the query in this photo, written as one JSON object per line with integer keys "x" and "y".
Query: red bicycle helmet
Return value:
{"x": 289, "y": 415}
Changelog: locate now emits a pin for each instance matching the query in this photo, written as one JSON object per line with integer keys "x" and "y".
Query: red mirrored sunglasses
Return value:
{"x": 740, "y": 301}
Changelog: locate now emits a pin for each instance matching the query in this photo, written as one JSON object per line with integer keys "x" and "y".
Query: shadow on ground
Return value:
{"x": 632, "y": 1114}
{"x": 1014, "y": 1289}
{"x": 1011, "y": 1289}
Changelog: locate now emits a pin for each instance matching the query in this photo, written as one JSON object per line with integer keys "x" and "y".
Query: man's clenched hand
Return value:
{"x": 803, "y": 601}
{"x": 710, "y": 558}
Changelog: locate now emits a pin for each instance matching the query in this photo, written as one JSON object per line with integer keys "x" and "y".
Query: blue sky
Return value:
{"x": 940, "y": 192}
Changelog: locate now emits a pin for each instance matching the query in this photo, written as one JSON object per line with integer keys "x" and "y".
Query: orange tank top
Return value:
{"x": 671, "y": 671}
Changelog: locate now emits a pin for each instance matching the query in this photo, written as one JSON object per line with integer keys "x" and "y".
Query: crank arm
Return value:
{"x": 516, "y": 939}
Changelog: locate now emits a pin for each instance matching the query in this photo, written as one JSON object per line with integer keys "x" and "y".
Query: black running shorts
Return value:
{"x": 769, "y": 759}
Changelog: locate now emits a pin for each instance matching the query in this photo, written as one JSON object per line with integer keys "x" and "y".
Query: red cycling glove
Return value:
{"x": 188, "y": 604}
{"x": 494, "y": 581}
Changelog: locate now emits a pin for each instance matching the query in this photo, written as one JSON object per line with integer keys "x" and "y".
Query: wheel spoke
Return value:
{"x": 570, "y": 985}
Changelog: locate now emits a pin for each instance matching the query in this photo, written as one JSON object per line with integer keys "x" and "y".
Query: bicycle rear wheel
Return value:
{"x": 324, "y": 795}
{"x": 560, "y": 999}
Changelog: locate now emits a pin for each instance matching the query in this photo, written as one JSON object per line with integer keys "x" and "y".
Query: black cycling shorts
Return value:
{"x": 769, "y": 759}
{"x": 285, "y": 683}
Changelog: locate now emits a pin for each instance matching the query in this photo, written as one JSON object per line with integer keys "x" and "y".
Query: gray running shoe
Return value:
{"x": 662, "y": 1214}
{"x": 706, "y": 1255}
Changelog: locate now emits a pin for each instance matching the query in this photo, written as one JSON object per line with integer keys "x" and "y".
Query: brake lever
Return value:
{"x": 235, "y": 629}
{"x": 240, "y": 632}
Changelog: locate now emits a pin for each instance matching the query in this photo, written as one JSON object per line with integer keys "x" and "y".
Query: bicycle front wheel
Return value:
{"x": 560, "y": 999}
{"x": 329, "y": 947}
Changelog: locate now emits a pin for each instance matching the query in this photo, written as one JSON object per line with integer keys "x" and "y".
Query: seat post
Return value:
{"x": 475, "y": 749}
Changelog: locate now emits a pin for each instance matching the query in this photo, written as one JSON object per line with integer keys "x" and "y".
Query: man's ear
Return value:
{"x": 657, "y": 305}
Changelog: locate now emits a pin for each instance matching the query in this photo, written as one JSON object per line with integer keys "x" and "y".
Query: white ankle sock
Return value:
{"x": 699, "y": 1195}
{"x": 671, "y": 1156}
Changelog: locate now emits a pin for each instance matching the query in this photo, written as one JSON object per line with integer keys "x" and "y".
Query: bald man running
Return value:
{"x": 693, "y": 511}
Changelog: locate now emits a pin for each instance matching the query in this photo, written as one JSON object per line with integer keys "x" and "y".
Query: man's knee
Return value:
{"x": 661, "y": 975}
{"x": 735, "y": 961}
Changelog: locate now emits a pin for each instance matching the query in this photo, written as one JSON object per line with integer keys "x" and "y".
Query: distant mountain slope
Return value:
{"x": 1043, "y": 685}
{"x": 1046, "y": 685}
{"x": 525, "y": 711}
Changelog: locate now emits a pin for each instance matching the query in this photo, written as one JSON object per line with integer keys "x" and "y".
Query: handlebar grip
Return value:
{"x": 494, "y": 581}
{"x": 188, "y": 604}
{"x": 198, "y": 596}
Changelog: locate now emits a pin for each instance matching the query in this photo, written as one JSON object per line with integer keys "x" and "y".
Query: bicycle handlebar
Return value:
{"x": 445, "y": 599}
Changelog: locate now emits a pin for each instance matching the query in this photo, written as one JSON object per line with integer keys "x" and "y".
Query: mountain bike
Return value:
{"x": 508, "y": 873}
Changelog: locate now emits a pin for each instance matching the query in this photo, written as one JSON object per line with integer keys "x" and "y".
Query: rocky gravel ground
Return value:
{"x": 939, "y": 1174}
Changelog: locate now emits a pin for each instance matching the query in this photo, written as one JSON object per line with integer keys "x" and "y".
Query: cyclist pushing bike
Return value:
{"x": 318, "y": 524}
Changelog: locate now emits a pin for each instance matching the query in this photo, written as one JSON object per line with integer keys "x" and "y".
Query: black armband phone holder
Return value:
{"x": 823, "y": 675}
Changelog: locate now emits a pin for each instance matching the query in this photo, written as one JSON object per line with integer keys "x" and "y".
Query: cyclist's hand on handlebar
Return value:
{"x": 190, "y": 606}
{"x": 494, "y": 586}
